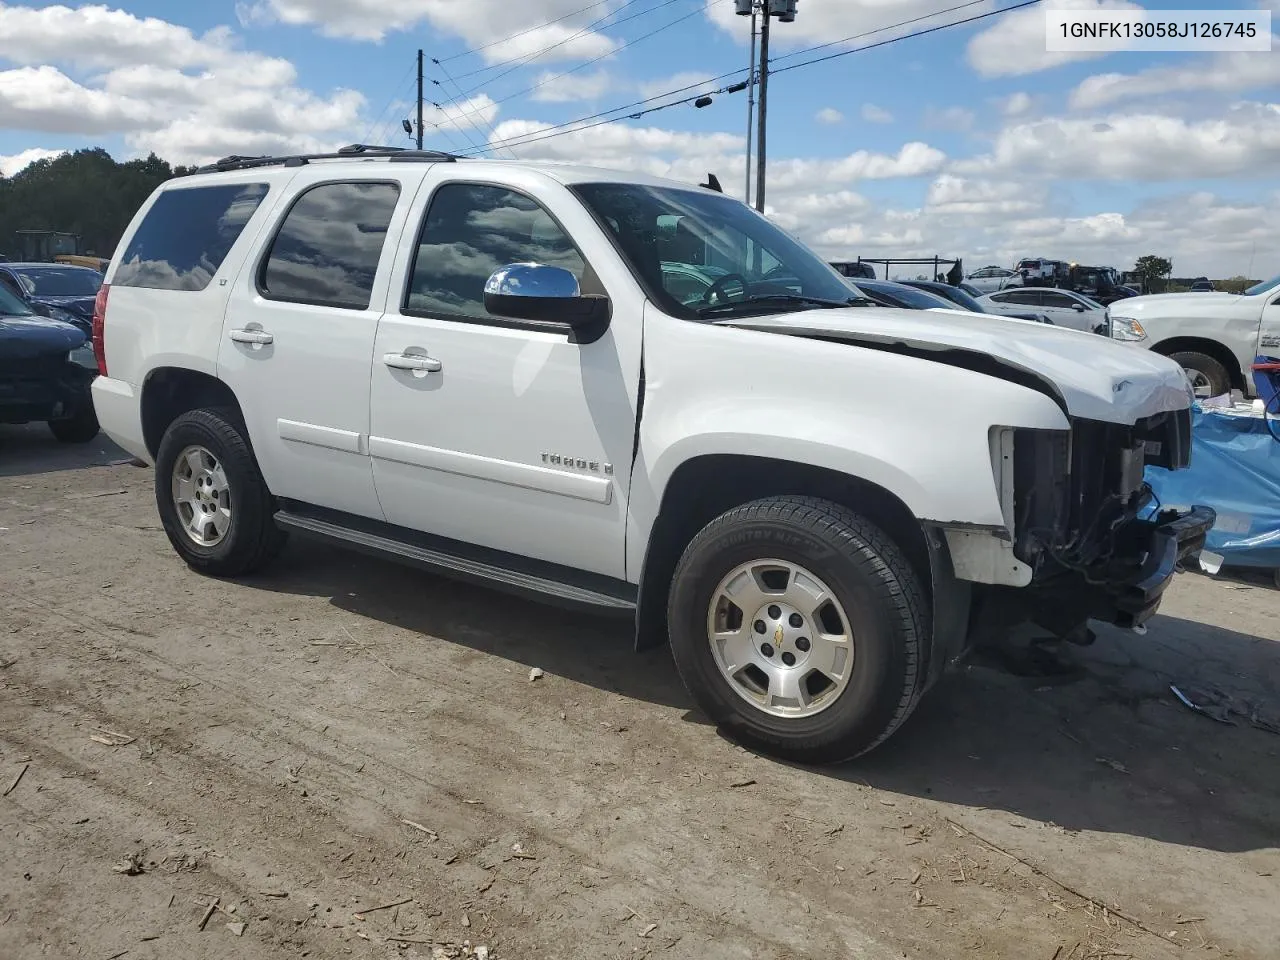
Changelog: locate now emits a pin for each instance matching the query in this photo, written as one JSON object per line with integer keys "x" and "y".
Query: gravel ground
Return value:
{"x": 342, "y": 758}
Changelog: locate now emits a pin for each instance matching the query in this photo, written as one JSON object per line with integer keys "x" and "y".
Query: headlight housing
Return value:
{"x": 83, "y": 356}
{"x": 1126, "y": 328}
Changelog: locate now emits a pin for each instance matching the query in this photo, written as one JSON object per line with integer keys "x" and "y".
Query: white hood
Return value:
{"x": 1097, "y": 378}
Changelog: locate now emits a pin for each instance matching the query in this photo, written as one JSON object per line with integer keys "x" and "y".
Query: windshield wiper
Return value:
{"x": 768, "y": 300}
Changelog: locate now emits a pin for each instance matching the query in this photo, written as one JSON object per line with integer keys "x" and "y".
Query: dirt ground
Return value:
{"x": 352, "y": 759}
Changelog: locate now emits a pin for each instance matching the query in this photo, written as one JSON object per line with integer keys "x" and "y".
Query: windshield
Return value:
{"x": 693, "y": 249}
{"x": 12, "y": 306}
{"x": 1261, "y": 288}
{"x": 959, "y": 296}
{"x": 60, "y": 281}
{"x": 910, "y": 297}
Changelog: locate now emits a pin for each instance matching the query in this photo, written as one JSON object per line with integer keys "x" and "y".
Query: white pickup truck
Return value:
{"x": 1214, "y": 336}
{"x": 499, "y": 371}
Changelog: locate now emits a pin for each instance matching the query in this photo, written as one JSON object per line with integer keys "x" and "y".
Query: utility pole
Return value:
{"x": 751, "y": 103}
{"x": 764, "y": 110}
{"x": 785, "y": 11}
{"x": 419, "y": 99}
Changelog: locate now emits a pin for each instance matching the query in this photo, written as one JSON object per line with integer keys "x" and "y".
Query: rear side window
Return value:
{"x": 328, "y": 247}
{"x": 186, "y": 235}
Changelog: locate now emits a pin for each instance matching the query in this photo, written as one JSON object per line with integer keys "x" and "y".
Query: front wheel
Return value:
{"x": 1209, "y": 378}
{"x": 799, "y": 627}
{"x": 214, "y": 505}
{"x": 80, "y": 428}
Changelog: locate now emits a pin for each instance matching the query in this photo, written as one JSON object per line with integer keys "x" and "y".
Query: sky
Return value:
{"x": 970, "y": 141}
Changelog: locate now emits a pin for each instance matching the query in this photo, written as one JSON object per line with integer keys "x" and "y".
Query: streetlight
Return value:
{"x": 785, "y": 11}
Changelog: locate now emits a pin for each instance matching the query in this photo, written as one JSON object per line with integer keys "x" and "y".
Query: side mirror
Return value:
{"x": 1078, "y": 307}
{"x": 536, "y": 291}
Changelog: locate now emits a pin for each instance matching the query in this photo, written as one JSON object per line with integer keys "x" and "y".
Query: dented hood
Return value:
{"x": 1092, "y": 376}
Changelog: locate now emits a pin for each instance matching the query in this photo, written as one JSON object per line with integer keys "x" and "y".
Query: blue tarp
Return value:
{"x": 1235, "y": 468}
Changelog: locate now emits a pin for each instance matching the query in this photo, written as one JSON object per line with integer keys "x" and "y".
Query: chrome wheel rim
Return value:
{"x": 1201, "y": 385}
{"x": 201, "y": 496}
{"x": 780, "y": 638}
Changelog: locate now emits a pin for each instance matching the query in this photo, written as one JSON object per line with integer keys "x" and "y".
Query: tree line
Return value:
{"x": 86, "y": 193}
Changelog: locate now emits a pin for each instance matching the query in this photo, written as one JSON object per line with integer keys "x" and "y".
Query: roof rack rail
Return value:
{"x": 353, "y": 150}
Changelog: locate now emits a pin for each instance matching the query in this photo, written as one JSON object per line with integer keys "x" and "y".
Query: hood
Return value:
{"x": 81, "y": 306}
{"x": 1158, "y": 300}
{"x": 1090, "y": 376}
{"x": 23, "y": 338}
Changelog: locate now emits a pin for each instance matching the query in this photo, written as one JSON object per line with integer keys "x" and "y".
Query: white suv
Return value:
{"x": 480, "y": 368}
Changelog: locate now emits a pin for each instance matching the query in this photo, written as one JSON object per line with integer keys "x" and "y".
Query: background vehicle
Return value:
{"x": 1202, "y": 285}
{"x": 478, "y": 368}
{"x": 1064, "y": 308}
{"x": 45, "y": 371}
{"x": 854, "y": 268}
{"x": 991, "y": 279}
{"x": 54, "y": 285}
{"x": 1101, "y": 284}
{"x": 1038, "y": 272}
{"x": 891, "y": 293}
{"x": 966, "y": 300}
{"x": 1214, "y": 336}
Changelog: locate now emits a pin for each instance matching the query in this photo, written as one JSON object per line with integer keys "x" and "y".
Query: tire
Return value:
{"x": 879, "y": 601}
{"x": 250, "y": 538}
{"x": 81, "y": 428}
{"x": 1205, "y": 373}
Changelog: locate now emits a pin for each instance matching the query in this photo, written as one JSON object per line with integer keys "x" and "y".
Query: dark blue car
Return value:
{"x": 46, "y": 369}
{"x": 56, "y": 290}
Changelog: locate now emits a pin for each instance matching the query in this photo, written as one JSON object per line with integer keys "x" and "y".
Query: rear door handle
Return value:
{"x": 252, "y": 336}
{"x": 409, "y": 361}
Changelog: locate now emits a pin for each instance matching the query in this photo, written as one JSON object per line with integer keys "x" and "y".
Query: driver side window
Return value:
{"x": 469, "y": 231}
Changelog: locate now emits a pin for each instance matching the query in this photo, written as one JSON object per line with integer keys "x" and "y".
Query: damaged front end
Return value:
{"x": 1088, "y": 533}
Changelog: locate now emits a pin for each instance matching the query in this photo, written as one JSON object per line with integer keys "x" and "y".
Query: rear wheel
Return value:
{"x": 799, "y": 626}
{"x": 1209, "y": 378}
{"x": 80, "y": 428}
{"x": 214, "y": 505}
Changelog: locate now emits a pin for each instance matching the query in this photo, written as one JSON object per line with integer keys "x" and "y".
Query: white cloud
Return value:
{"x": 1223, "y": 73}
{"x": 189, "y": 98}
{"x": 951, "y": 195}
{"x": 478, "y": 22}
{"x": 688, "y": 83}
{"x": 9, "y": 165}
{"x": 1015, "y": 44}
{"x": 1245, "y": 141}
{"x": 829, "y": 116}
{"x": 561, "y": 88}
{"x": 873, "y": 114}
{"x": 949, "y": 118}
{"x": 1016, "y": 104}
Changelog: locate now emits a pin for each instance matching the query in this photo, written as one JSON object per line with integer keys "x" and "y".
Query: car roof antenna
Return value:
{"x": 712, "y": 183}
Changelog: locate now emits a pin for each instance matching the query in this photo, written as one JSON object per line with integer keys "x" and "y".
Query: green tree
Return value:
{"x": 86, "y": 193}
{"x": 1153, "y": 271}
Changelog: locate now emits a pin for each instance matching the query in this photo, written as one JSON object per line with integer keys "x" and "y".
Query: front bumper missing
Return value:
{"x": 1167, "y": 541}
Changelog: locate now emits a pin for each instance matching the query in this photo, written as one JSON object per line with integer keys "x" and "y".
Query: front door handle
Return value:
{"x": 260, "y": 337}
{"x": 410, "y": 361}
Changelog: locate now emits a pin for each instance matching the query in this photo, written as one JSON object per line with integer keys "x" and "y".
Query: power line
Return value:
{"x": 868, "y": 33}
{"x": 536, "y": 26}
{"x": 908, "y": 36}
{"x": 530, "y": 57}
{"x": 731, "y": 73}
{"x": 577, "y": 125}
{"x": 488, "y": 123}
{"x": 390, "y": 103}
{"x": 628, "y": 43}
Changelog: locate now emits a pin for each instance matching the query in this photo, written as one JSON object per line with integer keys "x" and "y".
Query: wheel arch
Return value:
{"x": 1210, "y": 348}
{"x": 703, "y": 487}
{"x": 169, "y": 392}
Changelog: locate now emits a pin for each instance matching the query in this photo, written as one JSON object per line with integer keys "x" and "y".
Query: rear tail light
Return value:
{"x": 99, "y": 331}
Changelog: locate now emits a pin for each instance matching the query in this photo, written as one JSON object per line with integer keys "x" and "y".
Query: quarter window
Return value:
{"x": 186, "y": 235}
{"x": 328, "y": 247}
{"x": 470, "y": 231}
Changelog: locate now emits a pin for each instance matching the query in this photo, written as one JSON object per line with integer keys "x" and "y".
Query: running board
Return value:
{"x": 485, "y": 572}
